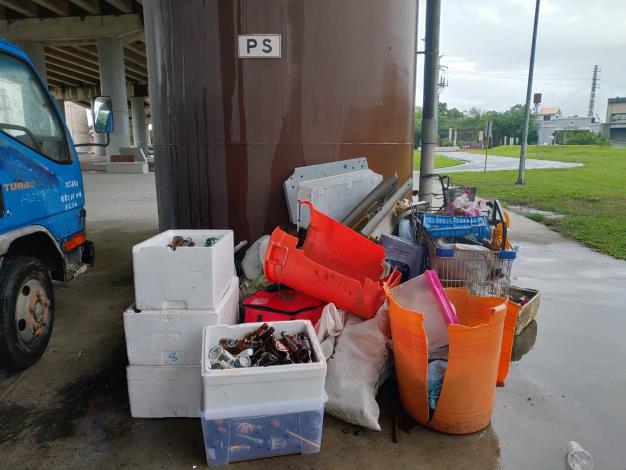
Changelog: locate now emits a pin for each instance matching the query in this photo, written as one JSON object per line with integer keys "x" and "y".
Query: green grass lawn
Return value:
{"x": 592, "y": 197}
{"x": 440, "y": 162}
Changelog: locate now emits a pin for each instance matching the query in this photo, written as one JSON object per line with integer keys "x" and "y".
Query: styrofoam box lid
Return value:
{"x": 213, "y": 333}
{"x": 280, "y": 408}
{"x": 233, "y": 286}
{"x": 198, "y": 236}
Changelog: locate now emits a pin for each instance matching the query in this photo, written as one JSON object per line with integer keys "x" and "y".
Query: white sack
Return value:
{"x": 252, "y": 263}
{"x": 355, "y": 368}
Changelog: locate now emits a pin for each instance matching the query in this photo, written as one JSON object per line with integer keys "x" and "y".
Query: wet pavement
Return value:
{"x": 476, "y": 162}
{"x": 568, "y": 380}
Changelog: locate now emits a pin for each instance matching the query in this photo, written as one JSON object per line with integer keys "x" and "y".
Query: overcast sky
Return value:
{"x": 486, "y": 47}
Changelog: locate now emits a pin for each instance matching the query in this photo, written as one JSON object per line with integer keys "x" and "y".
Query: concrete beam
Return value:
{"x": 60, "y": 7}
{"x": 125, "y": 6}
{"x": 72, "y": 62}
{"x": 71, "y": 75}
{"x": 137, "y": 49}
{"x": 90, "y": 6}
{"x": 54, "y": 75}
{"x": 69, "y": 28}
{"x": 75, "y": 54}
{"x": 82, "y": 75}
{"x": 24, "y": 7}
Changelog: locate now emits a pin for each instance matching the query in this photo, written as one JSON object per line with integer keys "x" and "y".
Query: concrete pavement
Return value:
{"x": 476, "y": 162}
{"x": 70, "y": 410}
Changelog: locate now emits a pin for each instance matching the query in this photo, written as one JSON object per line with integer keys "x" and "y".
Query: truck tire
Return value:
{"x": 26, "y": 311}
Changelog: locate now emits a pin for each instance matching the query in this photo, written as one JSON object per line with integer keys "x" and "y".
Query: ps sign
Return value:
{"x": 259, "y": 46}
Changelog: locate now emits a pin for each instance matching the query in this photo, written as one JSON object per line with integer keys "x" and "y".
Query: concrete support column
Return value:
{"x": 148, "y": 138}
{"x": 100, "y": 139}
{"x": 35, "y": 51}
{"x": 113, "y": 84}
{"x": 139, "y": 123}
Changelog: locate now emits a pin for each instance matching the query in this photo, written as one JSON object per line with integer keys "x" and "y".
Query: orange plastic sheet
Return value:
{"x": 335, "y": 264}
{"x": 475, "y": 346}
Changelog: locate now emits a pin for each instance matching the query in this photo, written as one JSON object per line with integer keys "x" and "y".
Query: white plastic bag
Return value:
{"x": 355, "y": 367}
{"x": 252, "y": 263}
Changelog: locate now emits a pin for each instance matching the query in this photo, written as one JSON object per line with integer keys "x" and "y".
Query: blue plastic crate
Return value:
{"x": 452, "y": 226}
{"x": 256, "y": 437}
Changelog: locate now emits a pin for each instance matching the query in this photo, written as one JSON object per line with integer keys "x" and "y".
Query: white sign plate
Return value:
{"x": 259, "y": 46}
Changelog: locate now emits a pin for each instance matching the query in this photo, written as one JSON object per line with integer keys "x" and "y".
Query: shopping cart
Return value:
{"x": 469, "y": 264}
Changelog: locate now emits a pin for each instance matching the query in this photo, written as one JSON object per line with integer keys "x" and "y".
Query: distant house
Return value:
{"x": 550, "y": 120}
{"x": 548, "y": 113}
{"x": 616, "y": 120}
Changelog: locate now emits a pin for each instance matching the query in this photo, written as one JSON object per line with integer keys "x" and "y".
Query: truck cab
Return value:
{"x": 42, "y": 214}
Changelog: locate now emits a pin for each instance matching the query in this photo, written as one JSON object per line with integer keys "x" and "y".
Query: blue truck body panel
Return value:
{"x": 35, "y": 189}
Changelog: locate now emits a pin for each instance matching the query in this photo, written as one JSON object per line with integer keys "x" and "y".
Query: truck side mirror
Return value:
{"x": 102, "y": 114}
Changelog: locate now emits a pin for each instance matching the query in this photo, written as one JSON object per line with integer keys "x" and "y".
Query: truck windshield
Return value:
{"x": 26, "y": 112}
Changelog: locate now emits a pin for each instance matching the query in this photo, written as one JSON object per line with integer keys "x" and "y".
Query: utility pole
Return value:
{"x": 429, "y": 106}
{"x": 594, "y": 87}
{"x": 521, "y": 177}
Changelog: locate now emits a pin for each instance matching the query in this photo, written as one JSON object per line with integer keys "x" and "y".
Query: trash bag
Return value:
{"x": 358, "y": 365}
{"x": 252, "y": 263}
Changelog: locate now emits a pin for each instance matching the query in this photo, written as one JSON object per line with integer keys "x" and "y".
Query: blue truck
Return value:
{"x": 42, "y": 214}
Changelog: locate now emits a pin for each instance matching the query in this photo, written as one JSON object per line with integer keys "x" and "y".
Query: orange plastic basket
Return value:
{"x": 474, "y": 362}
{"x": 335, "y": 264}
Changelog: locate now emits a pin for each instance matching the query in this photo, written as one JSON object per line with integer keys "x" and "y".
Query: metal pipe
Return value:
{"x": 387, "y": 207}
{"x": 521, "y": 176}
{"x": 429, "y": 114}
{"x": 379, "y": 192}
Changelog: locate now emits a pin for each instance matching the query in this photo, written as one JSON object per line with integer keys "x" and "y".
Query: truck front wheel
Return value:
{"x": 26, "y": 311}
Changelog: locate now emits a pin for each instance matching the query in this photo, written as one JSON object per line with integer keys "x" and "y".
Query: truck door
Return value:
{"x": 40, "y": 175}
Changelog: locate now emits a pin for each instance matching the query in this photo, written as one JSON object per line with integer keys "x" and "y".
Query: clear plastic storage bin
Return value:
{"x": 265, "y": 434}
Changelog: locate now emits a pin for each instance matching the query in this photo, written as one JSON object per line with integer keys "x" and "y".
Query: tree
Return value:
{"x": 417, "y": 127}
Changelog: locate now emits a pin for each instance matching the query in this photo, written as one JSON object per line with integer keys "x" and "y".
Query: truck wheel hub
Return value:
{"x": 31, "y": 311}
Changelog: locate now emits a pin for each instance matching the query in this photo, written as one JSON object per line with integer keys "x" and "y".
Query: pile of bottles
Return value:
{"x": 177, "y": 241}
{"x": 260, "y": 348}
{"x": 258, "y": 437}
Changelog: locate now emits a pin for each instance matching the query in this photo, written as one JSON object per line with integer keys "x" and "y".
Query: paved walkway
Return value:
{"x": 476, "y": 162}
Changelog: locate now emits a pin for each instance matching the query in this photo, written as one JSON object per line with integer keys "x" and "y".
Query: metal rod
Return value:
{"x": 387, "y": 207}
{"x": 429, "y": 114}
{"x": 379, "y": 192}
{"x": 521, "y": 176}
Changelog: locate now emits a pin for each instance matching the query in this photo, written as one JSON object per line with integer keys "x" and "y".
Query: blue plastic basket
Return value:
{"x": 452, "y": 226}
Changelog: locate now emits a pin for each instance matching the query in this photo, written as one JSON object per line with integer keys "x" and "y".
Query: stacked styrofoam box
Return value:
{"x": 336, "y": 195}
{"x": 178, "y": 293}
{"x": 281, "y": 390}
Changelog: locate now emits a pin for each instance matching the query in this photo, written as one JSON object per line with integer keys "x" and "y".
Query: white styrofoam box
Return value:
{"x": 174, "y": 337}
{"x": 164, "y": 392}
{"x": 336, "y": 195}
{"x": 243, "y": 389}
{"x": 192, "y": 278}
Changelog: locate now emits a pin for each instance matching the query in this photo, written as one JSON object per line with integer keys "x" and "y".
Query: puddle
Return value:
{"x": 536, "y": 214}
{"x": 91, "y": 401}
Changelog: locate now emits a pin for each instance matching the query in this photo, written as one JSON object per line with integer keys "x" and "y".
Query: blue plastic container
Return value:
{"x": 403, "y": 251}
{"x": 452, "y": 226}
{"x": 260, "y": 436}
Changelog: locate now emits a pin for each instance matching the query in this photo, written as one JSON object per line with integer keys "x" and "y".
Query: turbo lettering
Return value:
{"x": 18, "y": 186}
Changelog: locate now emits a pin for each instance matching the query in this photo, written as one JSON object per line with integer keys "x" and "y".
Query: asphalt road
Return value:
{"x": 476, "y": 162}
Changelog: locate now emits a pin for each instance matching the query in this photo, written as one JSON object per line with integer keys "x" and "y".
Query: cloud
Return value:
{"x": 487, "y": 50}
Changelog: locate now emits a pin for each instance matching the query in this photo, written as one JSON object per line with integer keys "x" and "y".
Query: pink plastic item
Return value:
{"x": 425, "y": 294}
{"x": 447, "y": 310}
